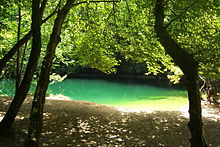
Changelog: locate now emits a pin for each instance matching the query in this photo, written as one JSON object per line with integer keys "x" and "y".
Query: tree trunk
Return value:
{"x": 195, "y": 124}
{"x": 189, "y": 67}
{"x": 21, "y": 42}
{"x": 36, "y": 116}
{"x": 23, "y": 89}
{"x": 18, "y": 73}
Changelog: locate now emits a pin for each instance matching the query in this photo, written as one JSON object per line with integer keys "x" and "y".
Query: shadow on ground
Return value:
{"x": 76, "y": 123}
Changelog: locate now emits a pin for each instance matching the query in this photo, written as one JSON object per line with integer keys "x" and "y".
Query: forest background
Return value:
{"x": 172, "y": 37}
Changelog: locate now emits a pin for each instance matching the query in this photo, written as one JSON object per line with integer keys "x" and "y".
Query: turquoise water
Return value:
{"x": 152, "y": 95}
{"x": 7, "y": 87}
{"x": 116, "y": 93}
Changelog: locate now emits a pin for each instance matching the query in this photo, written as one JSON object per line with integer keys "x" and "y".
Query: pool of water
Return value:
{"x": 124, "y": 93}
{"x": 7, "y": 87}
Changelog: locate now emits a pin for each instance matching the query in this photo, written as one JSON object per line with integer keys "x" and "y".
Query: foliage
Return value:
{"x": 104, "y": 35}
{"x": 197, "y": 30}
{"x": 56, "y": 78}
{"x": 8, "y": 33}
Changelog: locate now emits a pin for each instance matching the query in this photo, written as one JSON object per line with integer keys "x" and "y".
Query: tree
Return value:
{"x": 95, "y": 35}
{"x": 23, "y": 89}
{"x": 36, "y": 116}
{"x": 197, "y": 30}
{"x": 18, "y": 68}
{"x": 25, "y": 38}
{"x": 189, "y": 66}
{"x": 101, "y": 33}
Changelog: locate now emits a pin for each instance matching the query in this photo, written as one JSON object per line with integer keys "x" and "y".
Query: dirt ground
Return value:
{"x": 69, "y": 123}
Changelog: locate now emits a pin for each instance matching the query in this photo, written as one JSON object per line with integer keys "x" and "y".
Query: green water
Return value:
{"x": 121, "y": 93}
{"x": 151, "y": 95}
{"x": 7, "y": 87}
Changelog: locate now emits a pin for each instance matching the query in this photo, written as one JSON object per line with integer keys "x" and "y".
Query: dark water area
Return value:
{"x": 130, "y": 79}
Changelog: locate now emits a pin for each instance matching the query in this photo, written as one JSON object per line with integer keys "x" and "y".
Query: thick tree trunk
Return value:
{"x": 189, "y": 67}
{"x": 195, "y": 124}
{"x": 36, "y": 116}
{"x": 23, "y": 89}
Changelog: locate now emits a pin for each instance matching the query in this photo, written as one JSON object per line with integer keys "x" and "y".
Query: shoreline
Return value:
{"x": 206, "y": 108}
{"x": 137, "y": 106}
{"x": 79, "y": 123}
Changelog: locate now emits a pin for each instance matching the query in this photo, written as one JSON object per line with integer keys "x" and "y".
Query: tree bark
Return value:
{"x": 18, "y": 70}
{"x": 36, "y": 116}
{"x": 189, "y": 67}
{"x": 23, "y": 89}
{"x": 195, "y": 124}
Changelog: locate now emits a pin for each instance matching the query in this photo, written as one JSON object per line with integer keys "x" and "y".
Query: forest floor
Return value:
{"x": 69, "y": 123}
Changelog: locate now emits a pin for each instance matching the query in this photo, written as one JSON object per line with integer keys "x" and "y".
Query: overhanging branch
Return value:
{"x": 104, "y": 1}
{"x": 53, "y": 13}
{"x": 48, "y": 17}
{"x": 184, "y": 11}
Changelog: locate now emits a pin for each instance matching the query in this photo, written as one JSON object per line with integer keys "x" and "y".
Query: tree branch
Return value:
{"x": 23, "y": 40}
{"x": 177, "y": 17}
{"x": 43, "y": 5}
{"x": 48, "y": 17}
{"x": 94, "y": 2}
{"x": 53, "y": 13}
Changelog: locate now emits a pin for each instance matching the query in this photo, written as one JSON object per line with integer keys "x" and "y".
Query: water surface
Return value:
{"x": 126, "y": 94}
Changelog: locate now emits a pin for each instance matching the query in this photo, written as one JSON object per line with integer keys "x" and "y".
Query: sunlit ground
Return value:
{"x": 208, "y": 112}
{"x": 169, "y": 104}
{"x": 80, "y": 123}
{"x": 166, "y": 104}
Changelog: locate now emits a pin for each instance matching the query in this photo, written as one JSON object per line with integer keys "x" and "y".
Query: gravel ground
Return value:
{"x": 69, "y": 123}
